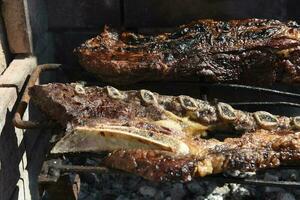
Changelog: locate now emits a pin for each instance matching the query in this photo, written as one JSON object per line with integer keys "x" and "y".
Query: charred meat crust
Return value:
{"x": 144, "y": 109}
{"x": 268, "y": 140}
{"x": 252, "y": 51}
{"x": 153, "y": 165}
{"x": 251, "y": 152}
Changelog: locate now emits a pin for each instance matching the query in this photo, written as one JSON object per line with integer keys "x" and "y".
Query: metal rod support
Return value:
{"x": 280, "y": 103}
{"x": 22, "y": 106}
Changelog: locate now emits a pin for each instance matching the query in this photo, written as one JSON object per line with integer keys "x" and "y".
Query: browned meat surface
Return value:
{"x": 159, "y": 137}
{"x": 252, "y": 51}
{"x": 253, "y": 151}
{"x": 86, "y": 105}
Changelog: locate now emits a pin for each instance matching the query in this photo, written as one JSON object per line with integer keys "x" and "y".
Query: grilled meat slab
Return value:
{"x": 74, "y": 104}
{"x": 253, "y": 151}
{"x": 252, "y": 51}
{"x": 160, "y": 137}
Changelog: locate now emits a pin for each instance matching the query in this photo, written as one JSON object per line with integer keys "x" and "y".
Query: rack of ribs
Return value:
{"x": 162, "y": 137}
{"x": 252, "y": 51}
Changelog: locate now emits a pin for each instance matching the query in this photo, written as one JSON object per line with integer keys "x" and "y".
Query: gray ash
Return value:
{"x": 123, "y": 186}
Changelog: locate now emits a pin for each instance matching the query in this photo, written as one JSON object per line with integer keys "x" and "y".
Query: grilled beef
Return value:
{"x": 160, "y": 137}
{"x": 76, "y": 104}
{"x": 252, "y": 51}
{"x": 253, "y": 151}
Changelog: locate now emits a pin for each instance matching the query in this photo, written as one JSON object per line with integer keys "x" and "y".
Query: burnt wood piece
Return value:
{"x": 252, "y": 51}
{"x": 163, "y": 133}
